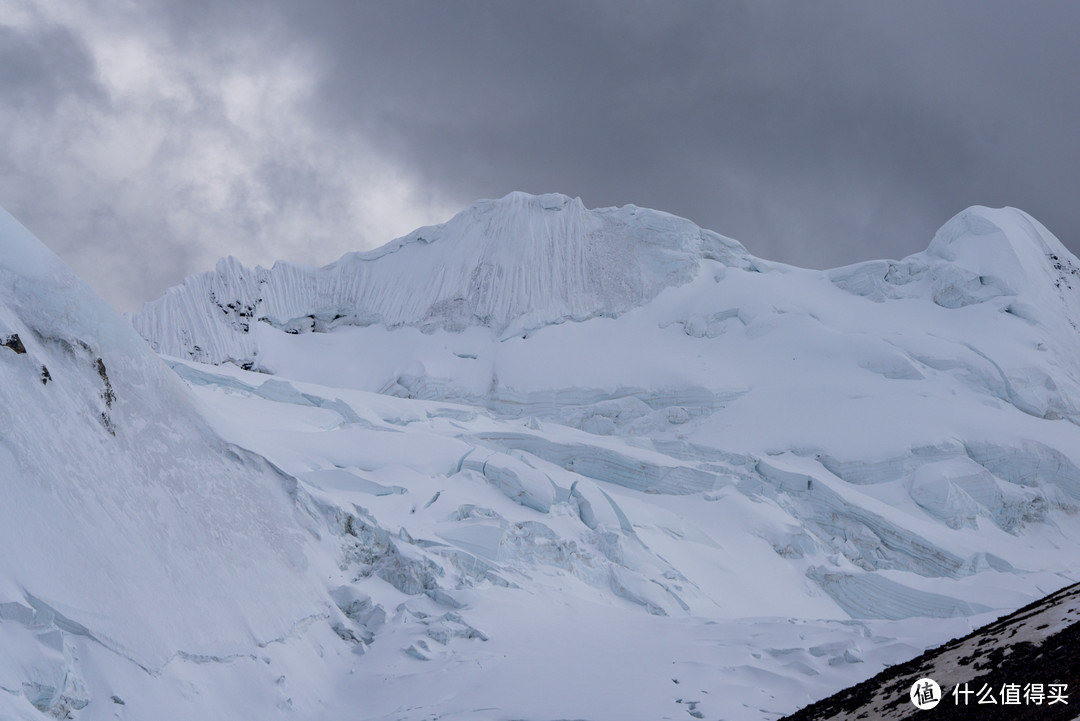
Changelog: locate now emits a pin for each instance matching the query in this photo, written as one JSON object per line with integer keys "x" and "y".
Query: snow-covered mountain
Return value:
{"x": 549, "y": 462}
{"x": 523, "y": 261}
{"x": 129, "y": 529}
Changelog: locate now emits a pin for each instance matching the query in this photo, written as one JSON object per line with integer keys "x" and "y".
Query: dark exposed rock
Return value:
{"x": 1034, "y": 645}
{"x": 14, "y": 343}
{"x": 108, "y": 395}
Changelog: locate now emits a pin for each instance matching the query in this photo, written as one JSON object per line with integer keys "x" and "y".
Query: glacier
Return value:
{"x": 537, "y": 462}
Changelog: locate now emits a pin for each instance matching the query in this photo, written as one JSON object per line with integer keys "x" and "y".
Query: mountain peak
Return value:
{"x": 518, "y": 199}
{"x": 522, "y": 260}
{"x": 1004, "y": 243}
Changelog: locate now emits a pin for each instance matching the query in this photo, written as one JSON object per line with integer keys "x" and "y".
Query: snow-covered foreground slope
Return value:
{"x": 125, "y": 522}
{"x": 545, "y": 462}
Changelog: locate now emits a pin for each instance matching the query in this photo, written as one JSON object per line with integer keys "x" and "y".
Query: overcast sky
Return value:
{"x": 143, "y": 139}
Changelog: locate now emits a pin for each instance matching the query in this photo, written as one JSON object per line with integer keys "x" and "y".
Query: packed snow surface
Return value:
{"x": 544, "y": 462}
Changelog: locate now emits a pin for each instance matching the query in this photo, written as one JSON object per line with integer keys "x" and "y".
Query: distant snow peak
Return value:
{"x": 1005, "y": 246}
{"x": 523, "y": 261}
{"x": 982, "y": 255}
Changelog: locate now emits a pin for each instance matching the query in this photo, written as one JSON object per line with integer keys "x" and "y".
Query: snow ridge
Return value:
{"x": 522, "y": 260}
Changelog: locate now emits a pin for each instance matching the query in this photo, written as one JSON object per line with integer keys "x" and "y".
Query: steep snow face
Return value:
{"x": 124, "y": 520}
{"x": 523, "y": 260}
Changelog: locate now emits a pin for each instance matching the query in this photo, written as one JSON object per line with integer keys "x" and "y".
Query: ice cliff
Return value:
{"x": 522, "y": 260}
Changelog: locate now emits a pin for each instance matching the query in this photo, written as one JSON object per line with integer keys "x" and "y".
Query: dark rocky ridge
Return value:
{"x": 1038, "y": 644}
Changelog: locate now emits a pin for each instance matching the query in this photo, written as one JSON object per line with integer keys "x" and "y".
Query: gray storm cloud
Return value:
{"x": 144, "y": 143}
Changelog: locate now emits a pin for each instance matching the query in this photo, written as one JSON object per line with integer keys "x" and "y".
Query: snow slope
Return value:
{"x": 614, "y": 406}
{"x": 125, "y": 521}
{"x": 541, "y": 462}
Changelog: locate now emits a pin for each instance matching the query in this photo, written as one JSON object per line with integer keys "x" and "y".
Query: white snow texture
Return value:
{"x": 537, "y": 462}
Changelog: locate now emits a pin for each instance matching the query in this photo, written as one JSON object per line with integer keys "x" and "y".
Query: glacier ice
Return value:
{"x": 539, "y": 427}
{"x": 618, "y": 406}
